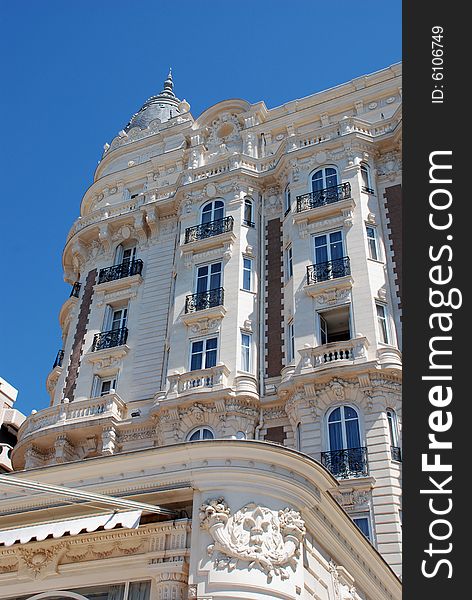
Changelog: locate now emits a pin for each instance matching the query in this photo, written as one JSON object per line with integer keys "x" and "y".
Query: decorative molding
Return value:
{"x": 255, "y": 534}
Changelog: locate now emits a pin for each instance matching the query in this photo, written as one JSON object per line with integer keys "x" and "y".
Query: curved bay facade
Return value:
{"x": 231, "y": 352}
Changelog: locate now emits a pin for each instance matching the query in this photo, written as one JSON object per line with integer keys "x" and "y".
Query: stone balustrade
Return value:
{"x": 349, "y": 351}
{"x": 203, "y": 379}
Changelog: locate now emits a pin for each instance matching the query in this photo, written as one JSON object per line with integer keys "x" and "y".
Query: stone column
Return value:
{"x": 170, "y": 586}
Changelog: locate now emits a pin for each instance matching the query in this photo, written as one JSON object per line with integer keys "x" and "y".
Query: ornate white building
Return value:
{"x": 230, "y": 362}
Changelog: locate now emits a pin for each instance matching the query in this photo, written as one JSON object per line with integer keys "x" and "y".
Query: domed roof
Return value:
{"x": 164, "y": 106}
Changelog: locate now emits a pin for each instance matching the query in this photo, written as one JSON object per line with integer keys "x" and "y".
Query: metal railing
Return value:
{"x": 204, "y": 300}
{"x": 75, "y": 290}
{"x": 110, "y": 339}
{"x": 324, "y": 196}
{"x": 396, "y": 453}
{"x": 206, "y": 230}
{"x": 125, "y": 269}
{"x": 332, "y": 269}
{"x": 249, "y": 223}
{"x": 349, "y": 462}
{"x": 59, "y": 358}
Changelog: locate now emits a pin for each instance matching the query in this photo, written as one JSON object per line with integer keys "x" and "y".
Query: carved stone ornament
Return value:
{"x": 255, "y": 534}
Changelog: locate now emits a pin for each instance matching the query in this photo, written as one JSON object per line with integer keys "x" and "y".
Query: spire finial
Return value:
{"x": 168, "y": 83}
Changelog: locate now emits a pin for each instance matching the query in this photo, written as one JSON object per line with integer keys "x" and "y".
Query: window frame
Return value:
{"x": 245, "y": 270}
{"x": 383, "y": 333}
{"x": 248, "y": 349}
{"x": 320, "y": 316}
{"x": 367, "y": 180}
{"x": 393, "y": 432}
{"x": 327, "y": 234}
{"x": 360, "y": 424}
{"x": 248, "y": 202}
{"x": 201, "y": 429}
{"x": 289, "y": 261}
{"x": 360, "y": 516}
{"x": 324, "y": 177}
{"x": 372, "y": 242}
{"x": 212, "y": 202}
{"x": 204, "y": 352}
{"x": 98, "y": 382}
{"x": 287, "y": 200}
{"x": 290, "y": 342}
{"x": 208, "y": 276}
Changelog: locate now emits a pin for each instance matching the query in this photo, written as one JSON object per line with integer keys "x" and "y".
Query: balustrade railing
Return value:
{"x": 110, "y": 339}
{"x": 125, "y": 269}
{"x": 328, "y": 195}
{"x": 322, "y": 356}
{"x": 332, "y": 269}
{"x": 345, "y": 463}
{"x": 201, "y": 379}
{"x": 204, "y": 300}
{"x": 75, "y": 290}
{"x": 206, "y": 230}
{"x": 396, "y": 453}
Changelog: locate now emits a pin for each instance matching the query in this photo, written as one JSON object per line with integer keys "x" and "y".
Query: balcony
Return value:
{"x": 346, "y": 463}
{"x": 332, "y": 269}
{"x": 204, "y": 300}
{"x": 334, "y": 353}
{"x": 396, "y": 453}
{"x": 125, "y": 269}
{"x": 109, "y": 339}
{"x": 203, "y": 380}
{"x": 323, "y": 197}
{"x": 59, "y": 359}
{"x": 208, "y": 230}
{"x": 75, "y": 291}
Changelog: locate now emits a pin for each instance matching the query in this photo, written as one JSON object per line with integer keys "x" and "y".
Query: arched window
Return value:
{"x": 202, "y": 433}
{"x": 343, "y": 428}
{"x": 346, "y": 457}
{"x": 248, "y": 213}
{"x": 213, "y": 211}
{"x": 324, "y": 178}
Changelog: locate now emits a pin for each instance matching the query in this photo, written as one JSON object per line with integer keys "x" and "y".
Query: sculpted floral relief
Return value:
{"x": 255, "y": 534}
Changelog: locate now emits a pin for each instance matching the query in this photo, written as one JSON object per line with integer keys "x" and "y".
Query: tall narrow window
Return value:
{"x": 213, "y": 211}
{"x": 298, "y": 436}
{"x": 290, "y": 343}
{"x": 343, "y": 429}
{"x": 203, "y": 354}
{"x": 247, "y": 274}
{"x": 246, "y": 352}
{"x": 328, "y": 247}
{"x": 382, "y": 323}
{"x": 392, "y": 427}
{"x": 289, "y": 263}
{"x": 365, "y": 176}
{"x": 248, "y": 213}
{"x": 288, "y": 200}
{"x": 372, "y": 242}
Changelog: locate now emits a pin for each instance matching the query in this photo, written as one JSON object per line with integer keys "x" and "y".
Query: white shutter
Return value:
{"x": 96, "y": 386}
{"x": 118, "y": 255}
{"x": 107, "y": 320}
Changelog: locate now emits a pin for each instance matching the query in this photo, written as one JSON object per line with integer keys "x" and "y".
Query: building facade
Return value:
{"x": 10, "y": 422}
{"x": 231, "y": 351}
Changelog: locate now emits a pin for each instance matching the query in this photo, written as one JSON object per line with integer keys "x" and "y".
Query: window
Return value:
{"x": 298, "y": 436}
{"x": 202, "y": 433}
{"x": 365, "y": 176}
{"x": 364, "y": 525}
{"x": 213, "y": 211}
{"x": 247, "y": 274}
{"x": 115, "y": 318}
{"x": 208, "y": 277}
{"x": 102, "y": 386}
{"x": 382, "y": 322}
{"x": 343, "y": 428}
{"x": 245, "y": 352}
{"x": 395, "y": 450}
{"x": 372, "y": 242}
{"x": 288, "y": 200}
{"x": 328, "y": 247}
{"x": 326, "y": 177}
{"x": 203, "y": 354}
{"x": 334, "y": 325}
{"x": 289, "y": 263}
{"x": 125, "y": 255}
{"x": 290, "y": 343}
{"x": 248, "y": 213}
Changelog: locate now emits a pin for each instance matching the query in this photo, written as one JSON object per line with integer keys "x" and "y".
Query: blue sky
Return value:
{"x": 73, "y": 74}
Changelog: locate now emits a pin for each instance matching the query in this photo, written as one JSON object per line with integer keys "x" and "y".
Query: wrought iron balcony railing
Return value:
{"x": 322, "y": 197}
{"x": 328, "y": 270}
{"x": 125, "y": 269}
{"x": 368, "y": 190}
{"x": 349, "y": 462}
{"x": 110, "y": 339}
{"x": 75, "y": 290}
{"x": 59, "y": 358}
{"x": 206, "y": 230}
{"x": 396, "y": 453}
{"x": 204, "y": 300}
{"x": 249, "y": 223}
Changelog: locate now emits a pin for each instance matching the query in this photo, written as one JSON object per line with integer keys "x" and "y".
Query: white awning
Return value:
{"x": 57, "y": 529}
